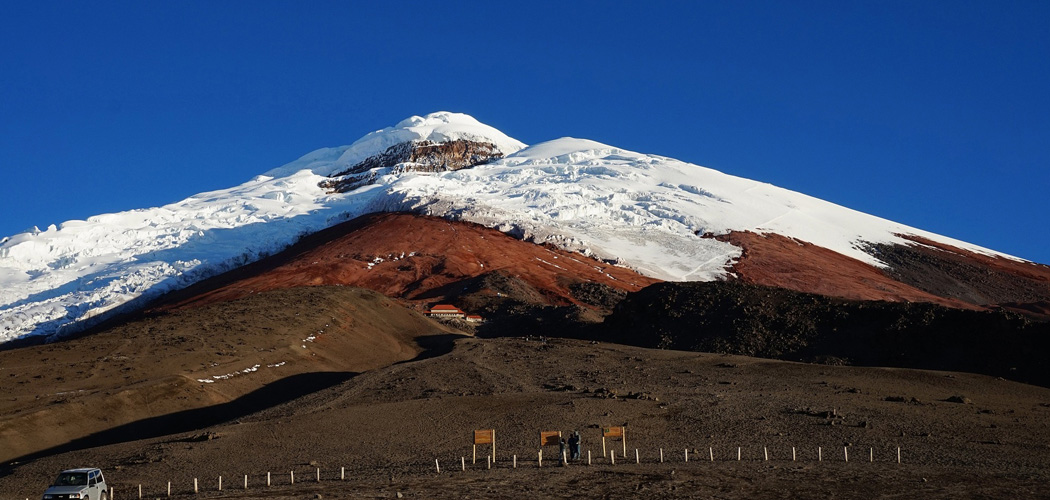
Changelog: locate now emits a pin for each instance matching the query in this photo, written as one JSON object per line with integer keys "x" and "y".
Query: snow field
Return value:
{"x": 647, "y": 212}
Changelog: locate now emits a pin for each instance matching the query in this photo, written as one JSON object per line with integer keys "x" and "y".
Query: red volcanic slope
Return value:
{"x": 924, "y": 272}
{"x": 420, "y": 258}
{"x": 409, "y": 257}
{"x": 775, "y": 260}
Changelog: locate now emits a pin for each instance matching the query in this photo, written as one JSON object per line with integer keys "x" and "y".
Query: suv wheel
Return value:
{"x": 104, "y": 496}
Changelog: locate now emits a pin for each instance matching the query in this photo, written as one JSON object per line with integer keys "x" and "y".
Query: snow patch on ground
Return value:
{"x": 227, "y": 376}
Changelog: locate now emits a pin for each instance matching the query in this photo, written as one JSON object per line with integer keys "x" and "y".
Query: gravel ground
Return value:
{"x": 961, "y": 435}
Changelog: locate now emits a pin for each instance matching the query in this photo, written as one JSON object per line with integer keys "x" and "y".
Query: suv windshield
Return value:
{"x": 72, "y": 479}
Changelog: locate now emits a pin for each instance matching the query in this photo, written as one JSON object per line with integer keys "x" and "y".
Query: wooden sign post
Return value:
{"x": 487, "y": 436}
{"x": 550, "y": 438}
{"x": 612, "y": 432}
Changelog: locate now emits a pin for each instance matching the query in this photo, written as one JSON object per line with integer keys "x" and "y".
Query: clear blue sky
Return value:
{"x": 933, "y": 114}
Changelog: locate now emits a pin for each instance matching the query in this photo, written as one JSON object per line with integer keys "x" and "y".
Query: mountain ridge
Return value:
{"x": 646, "y": 212}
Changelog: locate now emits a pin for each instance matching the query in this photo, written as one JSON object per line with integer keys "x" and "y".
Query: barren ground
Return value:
{"x": 387, "y": 426}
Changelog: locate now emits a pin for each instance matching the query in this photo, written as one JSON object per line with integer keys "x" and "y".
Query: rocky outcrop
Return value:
{"x": 423, "y": 156}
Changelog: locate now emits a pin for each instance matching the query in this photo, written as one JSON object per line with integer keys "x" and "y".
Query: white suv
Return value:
{"x": 78, "y": 484}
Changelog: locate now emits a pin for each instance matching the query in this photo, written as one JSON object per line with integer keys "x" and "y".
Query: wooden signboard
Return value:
{"x": 550, "y": 438}
{"x": 485, "y": 436}
{"x": 615, "y": 432}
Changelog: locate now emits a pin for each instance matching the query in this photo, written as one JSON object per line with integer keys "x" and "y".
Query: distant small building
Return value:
{"x": 446, "y": 311}
{"x": 474, "y": 318}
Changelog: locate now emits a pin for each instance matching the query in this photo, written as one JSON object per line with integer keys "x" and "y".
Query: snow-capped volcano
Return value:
{"x": 441, "y": 127}
{"x": 648, "y": 212}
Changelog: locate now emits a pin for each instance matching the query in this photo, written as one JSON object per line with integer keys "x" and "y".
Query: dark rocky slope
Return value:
{"x": 754, "y": 320}
{"x": 952, "y": 273}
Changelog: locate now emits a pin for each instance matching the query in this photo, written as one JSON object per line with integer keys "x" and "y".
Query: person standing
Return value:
{"x": 574, "y": 445}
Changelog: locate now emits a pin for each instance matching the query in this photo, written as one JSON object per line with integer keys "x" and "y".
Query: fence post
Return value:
{"x": 194, "y": 486}
{"x": 437, "y": 466}
{"x": 291, "y": 474}
{"x": 245, "y": 481}
{"x": 845, "y": 453}
{"x": 612, "y": 457}
{"x": 169, "y": 488}
{"x": 711, "y": 451}
{"x": 140, "y": 491}
{"x": 515, "y": 463}
{"x": 792, "y": 453}
{"x": 661, "y": 455}
{"x": 463, "y": 463}
{"x": 539, "y": 459}
{"x": 342, "y": 473}
{"x": 588, "y": 457}
{"x": 267, "y": 479}
{"x": 220, "y": 483}
{"x": 687, "y": 454}
{"x": 765, "y": 453}
{"x": 318, "y": 474}
{"x": 820, "y": 455}
{"x": 737, "y": 453}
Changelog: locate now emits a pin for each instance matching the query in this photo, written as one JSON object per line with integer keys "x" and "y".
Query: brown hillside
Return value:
{"x": 961, "y": 435}
{"x": 262, "y": 349}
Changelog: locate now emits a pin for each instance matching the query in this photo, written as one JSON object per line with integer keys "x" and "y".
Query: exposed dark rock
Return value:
{"x": 423, "y": 156}
{"x": 954, "y": 273}
{"x": 752, "y": 320}
{"x": 597, "y": 294}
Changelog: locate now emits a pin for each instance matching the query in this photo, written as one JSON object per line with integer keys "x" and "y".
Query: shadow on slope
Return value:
{"x": 174, "y": 363}
{"x": 272, "y": 394}
{"x": 753, "y": 320}
{"x": 512, "y": 307}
